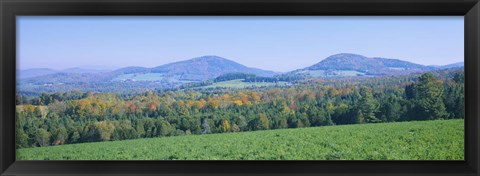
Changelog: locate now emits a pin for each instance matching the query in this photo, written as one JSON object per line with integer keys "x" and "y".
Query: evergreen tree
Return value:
{"x": 430, "y": 93}
{"x": 367, "y": 106}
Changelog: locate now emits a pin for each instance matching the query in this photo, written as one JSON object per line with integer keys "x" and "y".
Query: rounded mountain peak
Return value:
{"x": 345, "y": 56}
{"x": 209, "y": 58}
{"x": 347, "y": 61}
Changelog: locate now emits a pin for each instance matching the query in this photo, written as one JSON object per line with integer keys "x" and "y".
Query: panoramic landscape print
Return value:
{"x": 240, "y": 88}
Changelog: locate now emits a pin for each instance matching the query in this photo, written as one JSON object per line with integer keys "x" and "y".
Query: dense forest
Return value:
{"x": 79, "y": 117}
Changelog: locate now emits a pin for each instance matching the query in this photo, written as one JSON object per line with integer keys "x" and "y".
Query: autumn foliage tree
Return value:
{"x": 104, "y": 130}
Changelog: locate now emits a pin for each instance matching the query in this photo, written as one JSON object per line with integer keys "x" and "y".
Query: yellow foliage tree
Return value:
{"x": 105, "y": 130}
{"x": 238, "y": 102}
{"x": 29, "y": 108}
{"x": 225, "y": 125}
{"x": 215, "y": 103}
{"x": 200, "y": 104}
{"x": 264, "y": 122}
{"x": 254, "y": 96}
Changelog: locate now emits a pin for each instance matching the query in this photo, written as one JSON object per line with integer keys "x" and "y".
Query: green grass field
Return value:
{"x": 238, "y": 83}
{"x": 140, "y": 77}
{"x": 424, "y": 140}
{"x": 337, "y": 73}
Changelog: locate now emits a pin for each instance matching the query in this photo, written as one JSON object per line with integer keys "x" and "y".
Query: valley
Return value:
{"x": 202, "y": 70}
{"x": 147, "y": 113}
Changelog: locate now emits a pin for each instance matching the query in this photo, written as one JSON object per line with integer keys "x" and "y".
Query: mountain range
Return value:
{"x": 34, "y": 72}
{"x": 209, "y": 67}
{"x": 192, "y": 70}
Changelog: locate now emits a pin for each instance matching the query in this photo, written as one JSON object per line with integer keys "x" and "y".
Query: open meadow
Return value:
{"x": 238, "y": 83}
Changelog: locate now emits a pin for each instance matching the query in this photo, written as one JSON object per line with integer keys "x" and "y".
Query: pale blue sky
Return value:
{"x": 272, "y": 43}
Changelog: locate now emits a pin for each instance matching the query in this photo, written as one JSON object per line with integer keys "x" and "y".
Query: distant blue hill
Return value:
{"x": 207, "y": 67}
{"x": 34, "y": 72}
{"x": 347, "y": 64}
{"x": 454, "y": 65}
{"x": 28, "y": 73}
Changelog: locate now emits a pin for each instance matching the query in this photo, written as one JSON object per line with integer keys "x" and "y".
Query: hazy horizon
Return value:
{"x": 106, "y": 67}
{"x": 289, "y": 42}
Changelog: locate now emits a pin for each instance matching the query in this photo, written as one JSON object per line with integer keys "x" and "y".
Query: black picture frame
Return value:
{"x": 9, "y": 9}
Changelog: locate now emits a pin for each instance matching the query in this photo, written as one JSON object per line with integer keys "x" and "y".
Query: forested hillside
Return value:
{"x": 78, "y": 117}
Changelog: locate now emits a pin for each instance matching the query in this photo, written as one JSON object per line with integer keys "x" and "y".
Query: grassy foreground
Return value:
{"x": 423, "y": 140}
